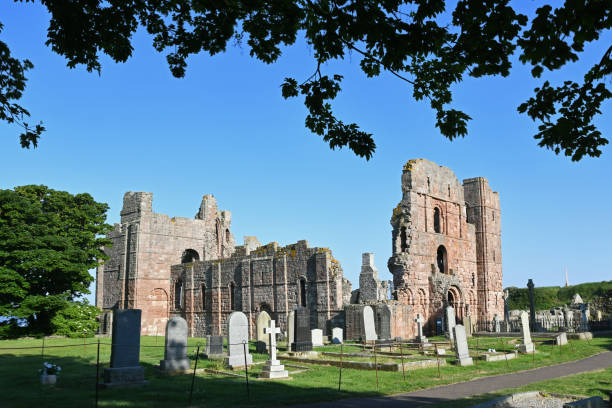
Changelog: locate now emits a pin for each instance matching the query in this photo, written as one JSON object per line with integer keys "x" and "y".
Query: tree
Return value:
{"x": 48, "y": 241}
{"x": 415, "y": 40}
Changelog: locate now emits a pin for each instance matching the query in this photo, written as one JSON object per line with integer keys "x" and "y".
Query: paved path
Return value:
{"x": 478, "y": 386}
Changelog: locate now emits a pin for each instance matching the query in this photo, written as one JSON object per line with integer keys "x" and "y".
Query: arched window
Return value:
{"x": 442, "y": 259}
{"x": 190, "y": 255}
{"x": 437, "y": 220}
{"x": 302, "y": 292}
{"x": 232, "y": 302}
{"x": 227, "y": 235}
{"x": 203, "y": 297}
{"x": 403, "y": 239}
{"x": 178, "y": 295}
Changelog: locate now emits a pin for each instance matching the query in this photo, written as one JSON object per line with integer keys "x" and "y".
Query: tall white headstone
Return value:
{"x": 450, "y": 321}
{"x": 527, "y": 346}
{"x": 290, "y": 329}
{"x": 419, "y": 321}
{"x": 337, "y": 335}
{"x": 261, "y": 323}
{"x": 317, "y": 337}
{"x": 368, "y": 324}
{"x": 238, "y": 340}
{"x": 461, "y": 346}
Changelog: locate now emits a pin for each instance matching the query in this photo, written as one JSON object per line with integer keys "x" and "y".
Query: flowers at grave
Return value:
{"x": 50, "y": 369}
{"x": 492, "y": 350}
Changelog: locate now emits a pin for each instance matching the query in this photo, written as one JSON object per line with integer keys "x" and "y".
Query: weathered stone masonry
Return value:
{"x": 446, "y": 244}
{"x": 260, "y": 278}
{"x": 146, "y": 244}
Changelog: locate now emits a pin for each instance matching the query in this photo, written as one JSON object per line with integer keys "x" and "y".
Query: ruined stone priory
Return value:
{"x": 192, "y": 268}
{"x": 446, "y": 245}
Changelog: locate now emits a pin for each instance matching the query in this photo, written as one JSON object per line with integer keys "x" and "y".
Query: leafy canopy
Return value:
{"x": 48, "y": 241}
{"x": 414, "y": 40}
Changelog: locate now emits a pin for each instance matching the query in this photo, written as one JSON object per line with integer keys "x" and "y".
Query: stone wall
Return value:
{"x": 443, "y": 253}
{"x": 146, "y": 244}
{"x": 271, "y": 278}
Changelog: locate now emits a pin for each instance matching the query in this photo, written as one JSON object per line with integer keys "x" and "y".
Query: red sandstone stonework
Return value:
{"x": 446, "y": 244}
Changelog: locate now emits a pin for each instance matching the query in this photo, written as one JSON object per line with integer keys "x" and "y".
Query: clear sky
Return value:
{"x": 225, "y": 130}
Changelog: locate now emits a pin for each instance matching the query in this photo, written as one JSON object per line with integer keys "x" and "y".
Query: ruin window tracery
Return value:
{"x": 441, "y": 259}
{"x": 190, "y": 255}
{"x": 437, "y": 223}
{"x": 178, "y": 295}
{"x": 403, "y": 239}
{"x": 232, "y": 302}
{"x": 302, "y": 292}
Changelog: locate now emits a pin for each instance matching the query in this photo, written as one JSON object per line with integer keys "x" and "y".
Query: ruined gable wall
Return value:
{"x": 426, "y": 186}
{"x": 146, "y": 244}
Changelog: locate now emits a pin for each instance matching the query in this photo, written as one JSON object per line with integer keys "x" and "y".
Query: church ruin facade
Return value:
{"x": 446, "y": 244}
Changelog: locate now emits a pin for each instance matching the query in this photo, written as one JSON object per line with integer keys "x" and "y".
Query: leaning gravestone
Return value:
{"x": 369, "y": 326}
{"x": 303, "y": 339}
{"x": 290, "y": 329}
{"x": 461, "y": 346}
{"x": 237, "y": 338}
{"x": 273, "y": 368}
{"x": 317, "y": 337}
{"x": 337, "y": 335}
{"x": 175, "y": 351}
{"x": 125, "y": 350}
{"x": 450, "y": 321}
{"x": 263, "y": 319}
{"x": 527, "y": 346}
{"x": 214, "y": 346}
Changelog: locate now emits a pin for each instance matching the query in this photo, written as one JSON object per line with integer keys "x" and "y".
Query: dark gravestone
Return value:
{"x": 303, "y": 336}
{"x": 383, "y": 320}
{"x": 532, "y": 321}
{"x": 214, "y": 346}
{"x": 125, "y": 350}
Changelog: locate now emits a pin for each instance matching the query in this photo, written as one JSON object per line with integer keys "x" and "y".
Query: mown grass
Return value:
{"x": 76, "y": 384}
{"x": 596, "y": 383}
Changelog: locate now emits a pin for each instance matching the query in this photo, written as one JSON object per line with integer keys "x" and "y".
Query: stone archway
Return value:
{"x": 454, "y": 299}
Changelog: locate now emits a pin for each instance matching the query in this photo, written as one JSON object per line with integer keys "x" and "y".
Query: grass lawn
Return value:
{"x": 76, "y": 384}
{"x": 596, "y": 383}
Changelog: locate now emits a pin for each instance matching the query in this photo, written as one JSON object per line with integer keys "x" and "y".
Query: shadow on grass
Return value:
{"x": 20, "y": 382}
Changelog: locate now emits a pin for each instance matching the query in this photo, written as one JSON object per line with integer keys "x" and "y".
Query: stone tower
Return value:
{"x": 443, "y": 253}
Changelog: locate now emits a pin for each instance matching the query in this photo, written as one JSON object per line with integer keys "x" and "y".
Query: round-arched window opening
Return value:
{"x": 227, "y": 236}
{"x": 437, "y": 223}
{"x": 441, "y": 259}
{"x": 190, "y": 255}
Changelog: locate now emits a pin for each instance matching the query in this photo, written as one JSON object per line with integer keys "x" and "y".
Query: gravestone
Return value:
{"x": 506, "y": 305}
{"x": 303, "y": 339}
{"x": 214, "y": 346}
{"x": 496, "y": 323}
{"x": 598, "y": 315}
{"x": 532, "y": 312}
{"x": 461, "y": 346}
{"x": 561, "y": 339}
{"x": 467, "y": 320}
{"x": 383, "y": 320}
{"x": 125, "y": 350}
{"x": 237, "y": 337}
{"x": 263, "y": 319}
{"x": 175, "y": 351}
{"x": 527, "y": 346}
{"x": 584, "y": 321}
{"x": 316, "y": 336}
{"x": 273, "y": 368}
{"x": 450, "y": 321}
{"x": 419, "y": 321}
{"x": 337, "y": 335}
{"x": 369, "y": 326}
{"x": 290, "y": 329}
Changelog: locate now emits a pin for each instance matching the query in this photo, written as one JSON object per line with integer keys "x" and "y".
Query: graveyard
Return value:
{"x": 216, "y": 385}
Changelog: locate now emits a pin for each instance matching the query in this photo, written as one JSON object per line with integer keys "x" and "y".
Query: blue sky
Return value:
{"x": 225, "y": 130}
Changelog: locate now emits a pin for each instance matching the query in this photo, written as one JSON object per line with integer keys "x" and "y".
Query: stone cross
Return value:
{"x": 272, "y": 331}
{"x": 419, "y": 321}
